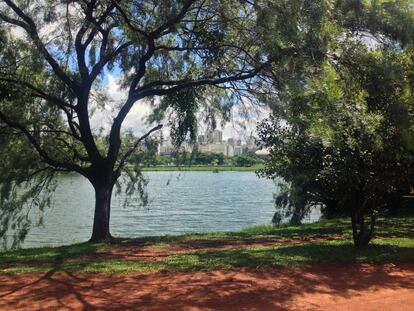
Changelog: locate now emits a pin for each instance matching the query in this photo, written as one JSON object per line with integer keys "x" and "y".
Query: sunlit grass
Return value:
{"x": 394, "y": 244}
{"x": 395, "y": 250}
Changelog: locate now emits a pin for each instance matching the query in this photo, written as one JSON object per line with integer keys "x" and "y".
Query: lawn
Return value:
{"x": 327, "y": 241}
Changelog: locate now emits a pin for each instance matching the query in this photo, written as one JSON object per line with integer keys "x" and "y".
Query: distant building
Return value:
{"x": 218, "y": 148}
{"x": 212, "y": 142}
{"x": 230, "y": 150}
{"x": 215, "y": 137}
{"x": 238, "y": 151}
{"x": 166, "y": 147}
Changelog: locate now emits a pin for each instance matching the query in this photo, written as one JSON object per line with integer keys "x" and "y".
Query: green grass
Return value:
{"x": 51, "y": 253}
{"x": 394, "y": 244}
{"x": 202, "y": 168}
{"x": 397, "y": 250}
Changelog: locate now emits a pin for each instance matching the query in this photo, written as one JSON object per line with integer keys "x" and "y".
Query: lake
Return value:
{"x": 179, "y": 202}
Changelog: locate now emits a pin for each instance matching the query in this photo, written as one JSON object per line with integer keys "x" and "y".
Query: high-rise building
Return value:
{"x": 238, "y": 150}
{"x": 230, "y": 150}
{"x": 218, "y": 136}
{"x": 215, "y": 137}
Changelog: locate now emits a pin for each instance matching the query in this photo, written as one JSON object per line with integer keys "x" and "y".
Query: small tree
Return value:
{"x": 348, "y": 141}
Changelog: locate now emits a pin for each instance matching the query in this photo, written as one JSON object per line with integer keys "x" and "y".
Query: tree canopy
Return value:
{"x": 344, "y": 138}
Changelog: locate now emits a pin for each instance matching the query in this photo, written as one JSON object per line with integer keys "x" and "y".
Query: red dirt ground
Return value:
{"x": 316, "y": 287}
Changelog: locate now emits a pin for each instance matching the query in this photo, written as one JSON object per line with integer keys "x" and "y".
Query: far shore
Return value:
{"x": 200, "y": 168}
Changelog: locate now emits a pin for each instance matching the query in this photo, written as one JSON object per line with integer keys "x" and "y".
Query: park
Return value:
{"x": 207, "y": 155}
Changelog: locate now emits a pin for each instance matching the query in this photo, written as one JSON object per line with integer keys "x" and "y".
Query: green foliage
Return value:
{"x": 202, "y": 57}
{"x": 390, "y": 20}
{"x": 248, "y": 160}
{"x": 299, "y": 35}
{"x": 201, "y": 159}
{"x": 346, "y": 138}
{"x": 182, "y": 119}
{"x": 26, "y": 182}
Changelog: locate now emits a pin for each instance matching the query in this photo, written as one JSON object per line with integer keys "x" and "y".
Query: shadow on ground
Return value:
{"x": 254, "y": 282}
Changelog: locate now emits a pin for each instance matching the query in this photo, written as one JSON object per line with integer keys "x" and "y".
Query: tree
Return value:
{"x": 349, "y": 139}
{"x": 331, "y": 154}
{"x": 55, "y": 56}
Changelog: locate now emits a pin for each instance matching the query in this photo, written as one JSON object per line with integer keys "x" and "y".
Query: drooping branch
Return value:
{"x": 66, "y": 107}
{"x": 30, "y": 27}
{"x": 39, "y": 92}
{"x": 37, "y": 146}
{"x": 135, "y": 146}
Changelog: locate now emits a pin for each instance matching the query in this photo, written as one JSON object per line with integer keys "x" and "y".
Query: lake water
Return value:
{"x": 179, "y": 202}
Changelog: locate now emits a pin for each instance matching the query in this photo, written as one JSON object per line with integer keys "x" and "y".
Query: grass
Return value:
{"x": 202, "y": 168}
{"x": 394, "y": 244}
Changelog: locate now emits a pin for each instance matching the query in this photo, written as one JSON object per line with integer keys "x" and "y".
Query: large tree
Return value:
{"x": 55, "y": 56}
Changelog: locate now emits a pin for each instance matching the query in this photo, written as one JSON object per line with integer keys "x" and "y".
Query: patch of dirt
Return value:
{"x": 148, "y": 252}
{"x": 315, "y": 287}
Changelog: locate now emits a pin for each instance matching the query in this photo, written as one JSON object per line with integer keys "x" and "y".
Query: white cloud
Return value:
{"x": 244, "y": 120}
{"x": 135, "y": 121}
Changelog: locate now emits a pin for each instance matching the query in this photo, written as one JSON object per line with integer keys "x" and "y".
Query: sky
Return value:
{"x": 136, "y": 119}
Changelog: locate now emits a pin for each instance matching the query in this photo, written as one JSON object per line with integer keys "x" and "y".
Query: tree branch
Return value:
{"x": 42, "y": 153}
{"x": 183, "y": 84}
{"x": 30, "y": 27}
{"x": 135, "y": 146}
{"x": 58, "y": 101}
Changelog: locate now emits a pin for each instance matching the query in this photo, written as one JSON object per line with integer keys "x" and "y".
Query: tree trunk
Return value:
{"x": 103, "y": 194}
{"x": 361, "y": 234}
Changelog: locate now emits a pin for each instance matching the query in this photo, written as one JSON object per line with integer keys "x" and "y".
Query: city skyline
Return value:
{"x": 213, "y": 142}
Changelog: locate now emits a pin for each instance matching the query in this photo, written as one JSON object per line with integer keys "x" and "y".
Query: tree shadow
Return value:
{"x": 256, "y": 281}
{"x": 48, "y": 254}
{"x": 402, "y": 227}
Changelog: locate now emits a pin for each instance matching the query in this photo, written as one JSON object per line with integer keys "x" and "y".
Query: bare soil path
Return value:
{"x": 316, "y": 287}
